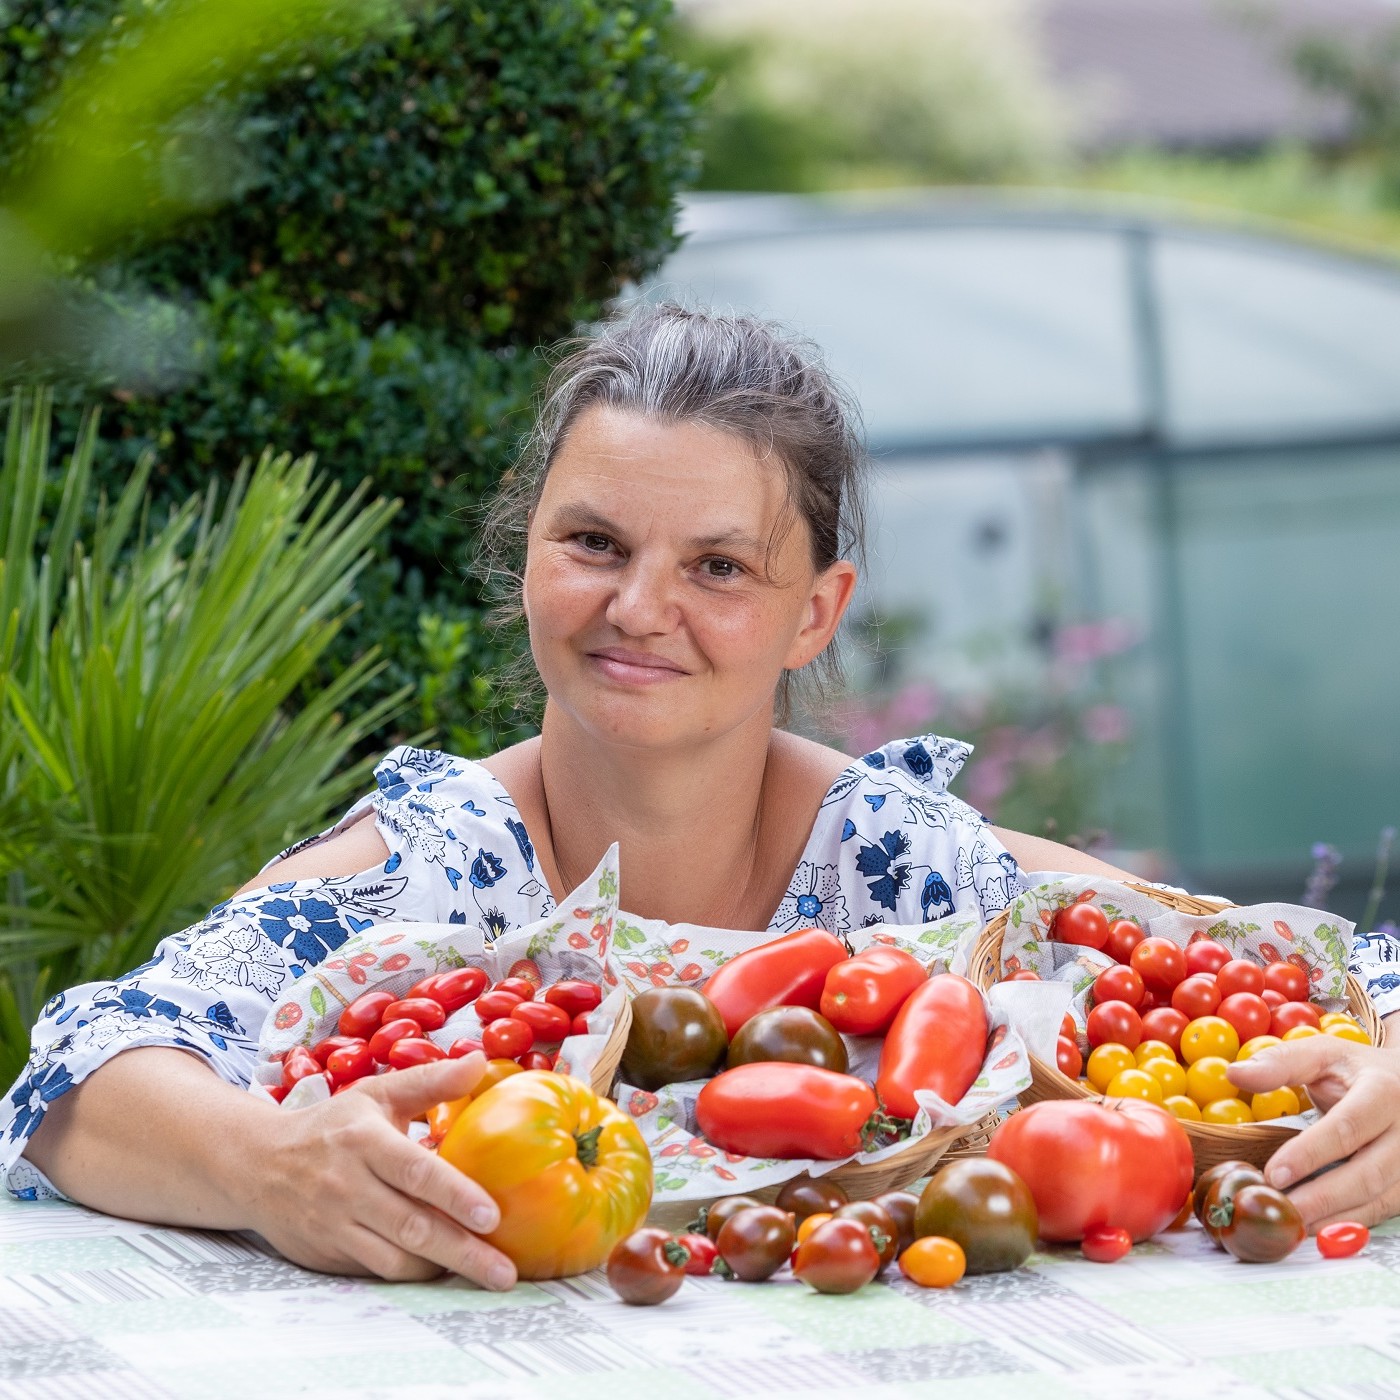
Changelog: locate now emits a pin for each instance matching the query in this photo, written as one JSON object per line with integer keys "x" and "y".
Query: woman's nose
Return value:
{"x": 642, "y": 601}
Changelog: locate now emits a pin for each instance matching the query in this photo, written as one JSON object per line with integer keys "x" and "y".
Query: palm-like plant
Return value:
{"x": 149, "y": 757}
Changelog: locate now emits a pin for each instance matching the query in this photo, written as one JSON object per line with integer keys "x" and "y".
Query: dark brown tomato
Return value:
{"x": 901, "y": 1207}
{"x": 884, "y": 1233}
{"x": 803, "y": 1197}
{"x": 647, "y": 1267}
{"x": 756, "y": 1242}
{"x": 722, "y": 1209}
{"x": 1264, "y": 1225}
{"x": 1208, "y": 1178}
{"x": 837, "y": 1257}
{"x": 676, "y": 1034}
{"x": 791, "y": 1034}
{"x": 1220, "y": 1196}
{"x": 986, "y": 1208}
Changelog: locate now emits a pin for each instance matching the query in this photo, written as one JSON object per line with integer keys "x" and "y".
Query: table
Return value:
{"x": 92, "y": 1306}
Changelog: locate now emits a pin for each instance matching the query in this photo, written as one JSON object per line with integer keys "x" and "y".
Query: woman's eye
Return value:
{"x": 597, "y": 544}
{"x": 721, "y": 568}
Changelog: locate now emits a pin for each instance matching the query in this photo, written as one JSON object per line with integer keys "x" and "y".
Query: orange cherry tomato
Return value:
{"x": 933, "y": 1261}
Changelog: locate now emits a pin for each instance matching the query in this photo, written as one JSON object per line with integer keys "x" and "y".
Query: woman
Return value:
{"x": 688, "y": 506}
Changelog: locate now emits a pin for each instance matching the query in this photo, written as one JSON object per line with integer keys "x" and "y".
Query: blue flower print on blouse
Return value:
{"x": 880, "y": 861}
{"x": 308, "y": 926}
{"x": 522, "y": 839}
{"x": 813, "y": 900}
{"x": 486, "y": 869}
{"x": 33, "y": 1095}
{"x": 936, "y": 899}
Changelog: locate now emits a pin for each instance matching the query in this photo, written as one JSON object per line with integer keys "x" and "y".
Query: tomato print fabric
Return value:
{"x": 889, "y": 845}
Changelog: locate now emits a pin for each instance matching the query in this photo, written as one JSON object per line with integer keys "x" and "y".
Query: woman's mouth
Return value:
{"x": 635, "y": 667}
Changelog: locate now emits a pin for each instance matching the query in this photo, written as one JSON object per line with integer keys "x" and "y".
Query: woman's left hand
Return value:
{"x": 1358, "y": 1089}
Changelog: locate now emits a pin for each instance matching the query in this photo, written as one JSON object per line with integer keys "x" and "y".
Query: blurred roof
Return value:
{"x": 1209, "y": 74}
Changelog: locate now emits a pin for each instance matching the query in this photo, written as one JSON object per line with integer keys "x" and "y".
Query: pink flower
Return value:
{"x": 1106, "y": 724}
{"x": 1085, "y": 642}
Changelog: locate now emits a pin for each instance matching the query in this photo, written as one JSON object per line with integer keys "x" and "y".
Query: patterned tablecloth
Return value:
{"x": 96, "y": 1307}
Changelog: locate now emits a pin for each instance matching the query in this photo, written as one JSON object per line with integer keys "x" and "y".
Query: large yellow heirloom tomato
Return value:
{"x": 568, "y": 1169}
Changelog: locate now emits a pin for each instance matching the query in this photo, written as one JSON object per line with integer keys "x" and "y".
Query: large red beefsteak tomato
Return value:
{"x": 1122, "y": 1164}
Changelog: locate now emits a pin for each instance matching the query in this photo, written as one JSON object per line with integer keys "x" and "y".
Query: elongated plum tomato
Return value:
{"x": 1125, "y": 1164}
{"x": 938, "y": 1042}
{"x": 647, "y": 1267}
{"x": 1068, "y": 1060}
{"x": 575, "y": 996}
{"x": 788, "y": 971}
{"x": 1106, "y": 1244}
{"x": 1082, "y": 923}
{"x": 785, "y": 1110}
{"x": 863, "y": 994}
{"x": 362, "y": 1017}
{"x": 569, "y": 1170}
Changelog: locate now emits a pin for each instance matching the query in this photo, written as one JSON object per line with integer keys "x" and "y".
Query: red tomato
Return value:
{"x": 1196, "y": 995}
{"x": 519, "y": 986}
{"x": 787, "y": 971}
{"x": 332, "y": 1043}
{"x": 1022, "y": 974}
{"x": 576, "y": 997}
{"x": 647, "y": 1267}
{"x": 1119, "y": 984}
{"x": 862, "y": 995}
{"x": 1067, "y": 1027}
{"x": 1123, "y": 936}
{"x": 1081, "y": 923}
{"x": 1067, "y": 1057}
{"x": 427, "y": 1012}
{"x": 278, "y": 1091}
{"x": 414, "y": 1050}
{"x": 1114, "y": 1022}
{"x": 1291, "y": 1014}
{"x": 1205, "y": 955}
{"x": 349, "y": 1063}
{"x": 702, "y": 1250}
{"x": 455, "y": 989}
{"x": 1239, "y": 975}
{"x": 837, "y": 1257}
{"x": 460, "y": 1048}
{"x": 300, "y": 1064}
{"x": 1287, "y": 979}
{"x": 1342, "y": 1239}
{"x": 362, "y": 1017}
{"x": 1123, "y": 1164}
{"x": 1160, "y": 963}
{"x": 580, "y": 1025}
{"x": 507, "y": 1039}
{"x": 495, "y": 1005}
{"x": 1106, "y": 1245}
{"x": 536, "y": 1059}
{"x": 549, "y": 1023}
{"x": 1249, "y": 1014}
{"x": 1272, "y": 999}
{"x": 938, "y": 1041}
{"x": 383, "y": 1040}
{"x": 1165, "y": 1023}
{"x": 777, "y": 1109}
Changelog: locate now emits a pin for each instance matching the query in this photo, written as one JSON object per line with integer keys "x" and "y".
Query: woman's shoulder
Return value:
{"x": 912, "y": 773}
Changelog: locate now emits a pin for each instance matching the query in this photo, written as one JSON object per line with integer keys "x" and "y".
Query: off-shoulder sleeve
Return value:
{"x": 1375, "y": 959}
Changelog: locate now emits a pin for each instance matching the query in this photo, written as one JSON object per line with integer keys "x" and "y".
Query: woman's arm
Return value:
{"x": 1036, "y": 853}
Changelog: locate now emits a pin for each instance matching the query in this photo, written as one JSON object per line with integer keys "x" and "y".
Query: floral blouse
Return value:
{"x": 889, "y": 845}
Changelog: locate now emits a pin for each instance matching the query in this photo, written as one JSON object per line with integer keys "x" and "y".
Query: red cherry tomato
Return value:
{"x": 1294, "y": 1013}
{"x": 453, "y": 990}
{"x": 1160, "y": 963}
{"x": 507, "y": 1039}
{"x": 1119, "y": 984}
{"x": 1196, "y": 995}
{"x": 702, "y": 1250}
{"x": 363, "y": 1016}
{"x": 384, "y": 1039}
{"x": 574, "y": 996}
{"x": 1067, "y": 1027}
{"x": 278, "y": 1091}
{"x": 549, "y": 1023}
{"x": 1272, "y": 999}
{"x": 496, "y": 1004}
{"x": 414, "y": 1050}
{"x": 1205, "y": 955}
{"x": 427, "y": 1012}
{"x": 580, "y": 1025}
{"x": 521, "y": 986}
{"x": 349, "y": 1063}
{"x": 1067, "y": 1057}
{"x": 1123, "y": 936}
{"x": 1115, "y": 1022}
{"x": 1082, "y": 923}
{"x": 1239, "y": 975}
{"x": 460, "y": 1048}
{"x": 1106, "y": 1244}
{"x": 300, "y": 1064}
{"x": 536, "y": 1059}
{"x": 1288, "y": 979}
{"x": 1022, "y": 974}
{"x": 647, "y": 1267}
{"x": 1164, "y": 1023}
{"x": 837, "y": 1257}
{"x": 1249, "y": 1014}
{"x": 326, "y": 1048}
{"x": 1342, "y": 1240}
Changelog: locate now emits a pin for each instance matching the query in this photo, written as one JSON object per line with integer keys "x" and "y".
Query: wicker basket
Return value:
{"x": 605, "y": 1071}
{"x": 1211, "y": 1142}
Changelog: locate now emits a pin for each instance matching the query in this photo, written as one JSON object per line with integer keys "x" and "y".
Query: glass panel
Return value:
{"x": 944, "y": 333}
{"x": 1267, "y": 342}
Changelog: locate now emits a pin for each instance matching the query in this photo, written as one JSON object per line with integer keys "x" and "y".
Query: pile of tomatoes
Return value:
{"x": 766, "y": 1032}
{"x": 379, "y": 1032}
{"x": 1165, "y": 1022}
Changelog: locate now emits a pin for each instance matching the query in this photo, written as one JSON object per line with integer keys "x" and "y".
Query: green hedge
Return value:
{"x": 421, "y": 214}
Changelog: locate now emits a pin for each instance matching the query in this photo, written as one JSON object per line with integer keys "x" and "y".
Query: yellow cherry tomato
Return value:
{"x": 1226, "y": 1111}
{"x": 1207, "y": 1081}
{"x": 496, "y": 1070}
{"x": 1209, "y": 1035}
{"x": 1345, "y": 1032}
{"x": 811, "y": 1223}
{"x": 1105, "y": 1061}
{"x": 1336, "y": 1018}
{"x": 1182, "y": 1107}
{"x": 1304, "y": 1102}
{"x": 933, "y": 1262}
{"x": 1275, "y": 1103}
{"x": 1154, "y": 1050}
{"x": 1301, "y": 1032}
{"x": 1134, "y": 1084}
{"x": 1254, "y": 1046}
{"x": 1168, "y": 1074}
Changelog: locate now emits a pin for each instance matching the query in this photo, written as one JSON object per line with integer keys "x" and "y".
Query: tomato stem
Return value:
{"x": 676, "y": 1253}
{"x": 1221, "y": 1214}
{"x": 587, "y": 1145}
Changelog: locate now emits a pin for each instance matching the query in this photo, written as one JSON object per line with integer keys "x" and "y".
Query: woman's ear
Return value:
{"x": 826, "y": 606}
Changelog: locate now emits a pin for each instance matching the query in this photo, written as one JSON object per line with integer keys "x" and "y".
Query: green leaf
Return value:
{"x": 318, "y": 1001}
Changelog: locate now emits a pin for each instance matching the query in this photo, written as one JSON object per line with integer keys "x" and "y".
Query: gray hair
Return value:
{"x": 737, "y": 374}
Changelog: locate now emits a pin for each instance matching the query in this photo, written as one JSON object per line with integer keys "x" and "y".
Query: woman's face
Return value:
{"x": 667, "y": 585}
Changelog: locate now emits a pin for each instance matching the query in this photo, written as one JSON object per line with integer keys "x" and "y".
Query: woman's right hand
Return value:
{"x": 340, "y": 1187}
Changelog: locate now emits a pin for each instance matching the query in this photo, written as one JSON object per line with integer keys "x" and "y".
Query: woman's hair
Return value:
{"x": 737, "y": 374}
